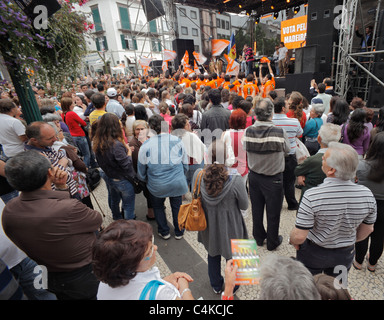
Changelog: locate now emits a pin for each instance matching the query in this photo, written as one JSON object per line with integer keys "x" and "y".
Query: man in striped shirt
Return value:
{"x": 334, "y": 215}
{"x": 293, "y": 129}
{"x": 266, "y": 146}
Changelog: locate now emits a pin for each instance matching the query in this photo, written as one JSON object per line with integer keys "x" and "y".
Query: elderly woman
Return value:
{"x": 140, "y": 135}
{"x": 124, "y": 256}
{"x": 312, "y": 127}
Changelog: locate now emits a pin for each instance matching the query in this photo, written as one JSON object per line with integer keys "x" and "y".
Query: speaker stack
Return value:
{"x": 180, "y": 46}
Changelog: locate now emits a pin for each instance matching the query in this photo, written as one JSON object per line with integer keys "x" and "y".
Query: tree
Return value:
{"x": 265, "y": 46}
{"x": 52, "y": 53}
{"x": 241, "y": 39}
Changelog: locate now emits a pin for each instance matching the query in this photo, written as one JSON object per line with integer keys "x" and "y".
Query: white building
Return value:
{"x": 122, "y": 35}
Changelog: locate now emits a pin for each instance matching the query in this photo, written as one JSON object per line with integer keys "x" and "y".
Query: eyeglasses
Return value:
{"x": 153, "y": 245}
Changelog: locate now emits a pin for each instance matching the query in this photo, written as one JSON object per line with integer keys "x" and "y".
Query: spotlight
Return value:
{"x": 296, "y": 10}
{"x": 275, "y": 15}
{"x": 257, "y": 20}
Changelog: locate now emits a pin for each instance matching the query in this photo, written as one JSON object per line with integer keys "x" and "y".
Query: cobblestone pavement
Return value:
{"x": 363, "y": 285}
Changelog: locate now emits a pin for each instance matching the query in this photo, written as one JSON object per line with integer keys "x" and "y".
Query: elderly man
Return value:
{"x": 267, "y": 146}
{"x": 334, "y": 215}
{"x": 309, "y": 173}
{"x": 51, "y": 228}
{"x": 41, "y": 138}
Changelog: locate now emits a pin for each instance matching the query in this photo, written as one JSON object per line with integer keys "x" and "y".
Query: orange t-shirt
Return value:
{"x": 250, "y": 88}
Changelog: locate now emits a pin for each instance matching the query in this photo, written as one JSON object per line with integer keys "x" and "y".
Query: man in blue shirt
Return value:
{"x": 162, "y": 164}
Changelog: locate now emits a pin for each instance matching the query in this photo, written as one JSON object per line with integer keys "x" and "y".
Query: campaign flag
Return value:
{"x": 164, "y": 66}
{"x": 218, "y": 46}
{"x": 185, "y": 60}
{"x": 145, "y": 62}
{"x": 232, "y": 47}
{"x": 196, "y": 68}
{"x": 233, "y": 67}
{"x": 169, "y": 55}
{"x": 189, "y": 71}
{"x": 199, "y": 58}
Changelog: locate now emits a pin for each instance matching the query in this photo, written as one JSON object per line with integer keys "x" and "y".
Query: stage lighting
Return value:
{"x": 275, "y": 15}
{"x": 296, "y": 10}
{"x": 257, "y": 20}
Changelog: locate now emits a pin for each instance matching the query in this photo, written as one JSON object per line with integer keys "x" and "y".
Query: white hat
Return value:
{"x": 111, "y": 92}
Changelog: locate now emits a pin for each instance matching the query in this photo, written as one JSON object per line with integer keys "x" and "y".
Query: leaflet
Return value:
{"x": 244, "y": 254}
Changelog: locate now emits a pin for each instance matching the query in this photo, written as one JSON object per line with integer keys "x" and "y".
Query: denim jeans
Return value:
{"x": 124, "y": 191}
{"x": 25, "y": 274}
{"x": 83, "y": 146}
{"x": 161, "y": 219}
{"x": 191, "y": 171}
{"x": 9, "y": 196}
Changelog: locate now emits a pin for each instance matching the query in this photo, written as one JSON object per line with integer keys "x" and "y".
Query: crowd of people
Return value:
{"x": 155, "y": 134}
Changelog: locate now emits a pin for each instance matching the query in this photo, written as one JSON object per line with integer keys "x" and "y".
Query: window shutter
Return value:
{"x": 97, "y": 44}
{"x": 97, "y": 19}
{"x": 124, "y": 18}
{"x": 105, "y": 43}
{"x": 123, "y": 43}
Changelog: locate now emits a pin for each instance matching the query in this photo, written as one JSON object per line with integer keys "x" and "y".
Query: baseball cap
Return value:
{"x": 111, "y": 92}
{"x": 317, "y": 101}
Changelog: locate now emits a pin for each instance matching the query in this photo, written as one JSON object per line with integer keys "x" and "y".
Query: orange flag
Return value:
{"x": 196, "y": 68}
{"x": 218, "y": 46}
{"x": 199, "y": 57}
{"x": 185, "y": 60}
{"x": 233, "y": 67}
{"x": 169, "y": 55}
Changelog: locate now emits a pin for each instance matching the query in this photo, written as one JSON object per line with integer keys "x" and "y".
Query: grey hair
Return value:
{"x": 264, "y": 110}
{"x": 51, "y": 117}
{"x": 319, "y": 109}
{"x": 344, "y": 159}
{"x": 284, "y": 278}
{"x": 27, "y": 171}
{"x": 54, "y": 126}
{"x": 329, "y": 132}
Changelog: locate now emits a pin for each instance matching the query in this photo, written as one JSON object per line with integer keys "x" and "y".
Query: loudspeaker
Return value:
{"x": 376, "y": 92}
{"x": 180, "y": 46}
{"x": 306, "y": 59}
{"x": 302, "y": 82}
{"x": 156, "y": 66}
{"x": 323, "y": 18}
{"x": 153, "y": 9}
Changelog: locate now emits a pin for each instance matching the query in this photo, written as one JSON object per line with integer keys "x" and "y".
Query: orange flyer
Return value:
{"x": 244, "y": 254}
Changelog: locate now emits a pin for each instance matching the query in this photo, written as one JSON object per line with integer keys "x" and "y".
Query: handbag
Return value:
{"x": 192, "y": 216}
{"x": 138, "y": 185}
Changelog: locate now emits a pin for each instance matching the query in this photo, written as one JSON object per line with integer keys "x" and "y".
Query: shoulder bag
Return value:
{"x": 192, "y": 216}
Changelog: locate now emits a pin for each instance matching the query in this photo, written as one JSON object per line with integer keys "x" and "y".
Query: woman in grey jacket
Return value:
{"x": 223, "y": 196}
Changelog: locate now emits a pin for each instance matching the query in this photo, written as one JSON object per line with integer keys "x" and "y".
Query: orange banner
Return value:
{"x": 294, "y": 32}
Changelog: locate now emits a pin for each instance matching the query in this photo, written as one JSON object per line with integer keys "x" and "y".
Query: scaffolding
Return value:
{"x": 353, "y": 75}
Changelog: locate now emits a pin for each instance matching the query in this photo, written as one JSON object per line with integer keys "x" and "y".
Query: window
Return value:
{"x": 193, "y": 14}
{"x": 195, "y": 32}
{"x": 197, "y": 48}
{"x": 101, "y": 44}
{"x": 184, "y": 31}
{"x": 183, "y": 13}
{"x": 97, "y": 19}
{"x": 222, "y": 24}
{"x": 227, "y": 25}
{"x": 156, "y": 45}
{"x": 124, "y": 18}
{"x": 128, "y": 42}
{"x": 218, "y": 23}
{"x": 152, "y": 26}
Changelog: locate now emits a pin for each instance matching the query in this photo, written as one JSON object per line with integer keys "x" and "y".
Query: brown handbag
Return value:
{"x": 192, "y": 216}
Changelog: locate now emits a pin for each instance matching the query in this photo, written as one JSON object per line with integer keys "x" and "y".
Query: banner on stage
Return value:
{"x": 294, "y": 32}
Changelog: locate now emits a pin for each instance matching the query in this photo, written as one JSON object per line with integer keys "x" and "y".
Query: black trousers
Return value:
{"x": 266, "y": 192}
{"x": 319, "y": 259}
{"x": 289, "y": 179}
{"x": 376, "y": 237}
{"x": 79, "y": 284}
